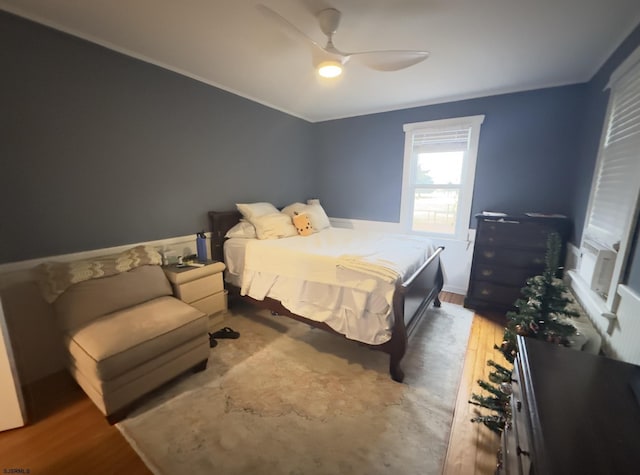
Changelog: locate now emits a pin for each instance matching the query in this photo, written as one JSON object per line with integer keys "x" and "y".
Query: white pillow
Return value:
{"x": 317, "y": 216}
{"x": 253, "y": 210}
{"x": 274, "y": 226}
{"x": 294, "y": 208}
{"x": 243, "y": 229}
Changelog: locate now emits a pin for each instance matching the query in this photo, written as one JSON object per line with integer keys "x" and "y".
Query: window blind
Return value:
{"x": 616, "y": 185}
{"x": 443, "y": 140}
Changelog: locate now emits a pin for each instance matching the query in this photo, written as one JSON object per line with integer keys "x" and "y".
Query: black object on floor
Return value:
{"x": 226, "y": 332}
{"x": 212, "y": 341}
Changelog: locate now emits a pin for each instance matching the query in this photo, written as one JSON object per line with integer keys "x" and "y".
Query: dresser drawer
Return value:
{"x": 499, "y": 294}
{"x": 521, "y": 235}
{"x": 197, "y": 289}
{"x": 510, "y": 257}
{"x": 510, "y": 463}
{"x": 211, "y": 304}
{"x": 502, "y": 275}
{"x": 520, "y": 423}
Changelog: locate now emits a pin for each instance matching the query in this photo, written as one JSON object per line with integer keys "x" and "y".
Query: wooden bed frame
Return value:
{"x": 410, "y": 299}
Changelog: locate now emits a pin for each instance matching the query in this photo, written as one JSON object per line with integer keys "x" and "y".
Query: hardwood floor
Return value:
{"x": 68, "y": 435}
{"x": 473, "y": 447}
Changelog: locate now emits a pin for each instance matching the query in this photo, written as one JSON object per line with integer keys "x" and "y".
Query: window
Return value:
{"x": 439, "y": 168}
{"x": 613, "y": 204}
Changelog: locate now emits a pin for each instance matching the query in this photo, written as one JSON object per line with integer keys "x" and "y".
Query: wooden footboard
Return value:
{"x": 410, "y": 300}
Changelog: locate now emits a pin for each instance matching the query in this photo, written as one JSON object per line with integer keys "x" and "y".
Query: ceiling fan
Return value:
{"x": 329, "y": 60}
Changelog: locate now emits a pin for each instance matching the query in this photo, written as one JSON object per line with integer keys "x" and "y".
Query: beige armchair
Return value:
{"x": 125, "y": 335}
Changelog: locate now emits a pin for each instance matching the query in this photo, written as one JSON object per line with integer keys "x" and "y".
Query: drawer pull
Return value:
{"x": 485, "y": 292}
{"x": 519, "y": 451}
{"x": 487, "y": 272}
{"x": 489, "y": 254}
{"x": 519, "y": 406}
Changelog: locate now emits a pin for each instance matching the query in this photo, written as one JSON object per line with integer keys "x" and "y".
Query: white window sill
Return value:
{"x": 594, "y": 305}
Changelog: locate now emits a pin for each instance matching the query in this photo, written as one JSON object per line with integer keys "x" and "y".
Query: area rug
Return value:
{"x": 288, "y": 399}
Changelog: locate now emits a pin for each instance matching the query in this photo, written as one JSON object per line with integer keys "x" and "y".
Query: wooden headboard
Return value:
{"x": 220, "y": 222}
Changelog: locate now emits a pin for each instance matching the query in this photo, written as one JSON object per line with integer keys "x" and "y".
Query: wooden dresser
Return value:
{"x": 508, "y": 250}
{"x": 573, "y": 413}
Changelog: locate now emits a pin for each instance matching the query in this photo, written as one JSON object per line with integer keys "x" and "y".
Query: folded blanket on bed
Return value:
{"x": 382, "y": 270}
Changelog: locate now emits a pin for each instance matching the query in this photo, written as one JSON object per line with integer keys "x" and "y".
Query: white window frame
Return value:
{"x": 619, "y": 78}
{"x": 468, "y": 176}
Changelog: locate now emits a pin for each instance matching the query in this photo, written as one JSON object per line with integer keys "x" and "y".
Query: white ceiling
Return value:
{"x": 478, "y": 47}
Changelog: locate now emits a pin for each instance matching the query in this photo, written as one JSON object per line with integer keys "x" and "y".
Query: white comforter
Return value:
{"x": 343, "y": 277}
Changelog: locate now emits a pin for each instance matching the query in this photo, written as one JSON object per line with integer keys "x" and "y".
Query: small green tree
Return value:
{"x": 542, "y": 313}
{"x": 499, "y": 389}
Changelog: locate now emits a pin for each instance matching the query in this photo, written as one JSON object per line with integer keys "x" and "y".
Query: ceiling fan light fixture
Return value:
{"x": 330, "y": 68}
{"x": 329, "y": 60}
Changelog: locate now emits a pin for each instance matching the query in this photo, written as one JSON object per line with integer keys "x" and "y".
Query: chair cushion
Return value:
{"x": 91, "y": 299}
{"x": 120, "y": 341}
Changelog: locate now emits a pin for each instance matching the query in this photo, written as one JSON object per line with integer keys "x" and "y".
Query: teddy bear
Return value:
{"x": 303, "y": 224}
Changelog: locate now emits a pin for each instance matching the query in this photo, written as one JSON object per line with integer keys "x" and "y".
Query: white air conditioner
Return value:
{"x": 596, "y": 265}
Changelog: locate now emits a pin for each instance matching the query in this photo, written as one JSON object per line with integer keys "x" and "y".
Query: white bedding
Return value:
{"x": 343, "y": 277}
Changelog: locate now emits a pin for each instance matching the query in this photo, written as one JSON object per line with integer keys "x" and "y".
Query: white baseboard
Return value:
{"x": 454, "y": 290}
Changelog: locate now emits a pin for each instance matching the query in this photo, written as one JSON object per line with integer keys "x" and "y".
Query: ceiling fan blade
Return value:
{"x": 286, "y": 25}
{"x": 329, "y": 19}
{"x": 390, "y": 60}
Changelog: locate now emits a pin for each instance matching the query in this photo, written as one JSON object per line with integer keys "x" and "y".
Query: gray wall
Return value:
{"x": 537, "y": 152}
{"x": 98, "y": 149}
{"x": 526, "y": 157}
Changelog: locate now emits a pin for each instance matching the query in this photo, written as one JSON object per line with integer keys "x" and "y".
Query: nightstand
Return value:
{"x": 201, "y": 287}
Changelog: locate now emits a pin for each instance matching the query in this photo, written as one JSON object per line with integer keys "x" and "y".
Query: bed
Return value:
{"x": 382, "y": 309}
